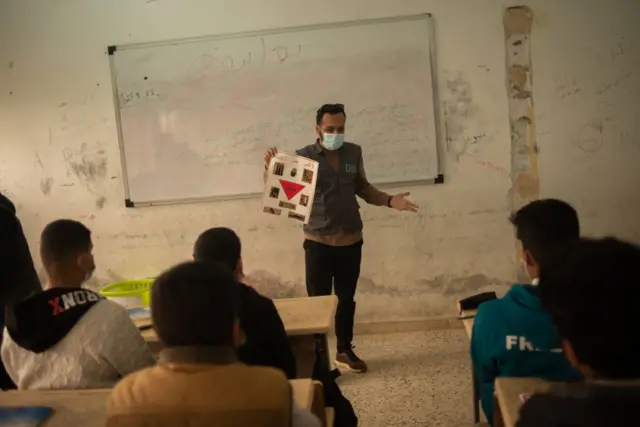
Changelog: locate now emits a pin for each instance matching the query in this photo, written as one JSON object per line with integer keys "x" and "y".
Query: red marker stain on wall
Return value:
{"x": 493, "y": 167}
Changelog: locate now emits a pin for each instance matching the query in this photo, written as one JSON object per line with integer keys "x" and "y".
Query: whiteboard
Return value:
{"x": 194, "y": 116}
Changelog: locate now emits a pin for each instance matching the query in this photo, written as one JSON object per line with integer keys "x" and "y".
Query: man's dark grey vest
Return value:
{"x": 335, "y": 207}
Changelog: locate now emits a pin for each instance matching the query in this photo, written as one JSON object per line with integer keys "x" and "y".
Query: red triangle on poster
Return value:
{"x": 291, "y": 188}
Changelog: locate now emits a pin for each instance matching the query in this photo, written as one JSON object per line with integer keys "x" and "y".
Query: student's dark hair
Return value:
{"x": 544, "y": 224}
{"x": 219, "y": 244}
{"x": 589, "y": 287}
{"x": 195, "y": 304}
{"x": 330, "y": 109}
{"x": 63, "y": 239}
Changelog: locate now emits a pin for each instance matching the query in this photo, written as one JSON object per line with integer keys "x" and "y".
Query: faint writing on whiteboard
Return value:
{"x": 261, "y": 53}
{"x": 128, "y": 97}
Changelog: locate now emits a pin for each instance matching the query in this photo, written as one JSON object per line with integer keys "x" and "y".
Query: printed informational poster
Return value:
{"x": 290, "y": 186}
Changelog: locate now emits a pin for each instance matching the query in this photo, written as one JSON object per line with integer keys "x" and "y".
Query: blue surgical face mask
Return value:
{"x": 332, "y": 141}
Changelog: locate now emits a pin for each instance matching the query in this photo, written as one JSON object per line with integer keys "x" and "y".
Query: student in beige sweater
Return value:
{"x": 198, "y": 380}
{"x": 67, "y": 337}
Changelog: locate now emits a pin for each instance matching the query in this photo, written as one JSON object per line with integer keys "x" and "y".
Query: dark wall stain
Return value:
{"x": 89, "y": 170}
{"x": 45, "y": 185}
{"x": 88, "y": 163}
{"x": 458, "y": 107}
{"x": 100, "y": 202}
{"x": 443, "y": 285}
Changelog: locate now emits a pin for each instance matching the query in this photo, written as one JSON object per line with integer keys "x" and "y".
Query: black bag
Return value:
{"x": 473, "y": 302}
{"x": 345, "y": 416}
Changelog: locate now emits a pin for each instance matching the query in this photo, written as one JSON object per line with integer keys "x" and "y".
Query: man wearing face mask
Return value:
{"x": 67, "y": 337}
{"x": 333, "y": 237}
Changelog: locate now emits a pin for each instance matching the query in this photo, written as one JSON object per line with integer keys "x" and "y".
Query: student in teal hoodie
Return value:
{"x": 514, "y": 336}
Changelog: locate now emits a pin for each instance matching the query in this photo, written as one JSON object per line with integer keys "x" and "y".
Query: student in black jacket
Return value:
{"x": 266, "y": 342}
{"x": 591, "y": 291}
{"x": 18, "y": 277}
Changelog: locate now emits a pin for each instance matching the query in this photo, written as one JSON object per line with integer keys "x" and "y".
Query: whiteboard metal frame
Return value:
{"x": 427, "y": 17}
{"x": 116, "y": 105}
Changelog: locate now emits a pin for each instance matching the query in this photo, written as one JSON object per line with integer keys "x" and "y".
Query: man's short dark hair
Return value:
{"x": 195, "y": 304}
{"x": 330, "y": 109}
{"x": 590, "y": 289}
{"x": 63, "y": 239}
{"x": 544, "y": 224}
{"x": 218, "y": 244}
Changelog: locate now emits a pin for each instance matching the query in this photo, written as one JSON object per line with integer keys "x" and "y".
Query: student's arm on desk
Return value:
{"x": 302, "y": 418}
{"x": 484, "y": 365}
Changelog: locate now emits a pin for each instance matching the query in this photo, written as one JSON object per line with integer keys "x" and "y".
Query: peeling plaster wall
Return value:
{"x": 59, "y": 154}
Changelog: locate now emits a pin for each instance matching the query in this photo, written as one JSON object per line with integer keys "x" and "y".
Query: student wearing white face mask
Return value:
{"x": 68, "y": 337}
{"x": 333, "y": 237}
{"x": 514, "y": 336}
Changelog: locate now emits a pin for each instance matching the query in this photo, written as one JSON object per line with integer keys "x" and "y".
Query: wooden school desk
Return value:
{"x": 303, "y": 319}
{"x": 507, "y": 400}
{"x": 88, "y": 408}
{"x": 467, "y": 321}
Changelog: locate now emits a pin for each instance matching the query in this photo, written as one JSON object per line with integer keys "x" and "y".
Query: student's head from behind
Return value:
{"x": 541, "y": 226}
{"x": 331, "y": 120}
{"x": 220, "y": 244}
{"x": 66, "y": 253}
{"x": 590, "y": 289}
{"x": 194, "y": 305}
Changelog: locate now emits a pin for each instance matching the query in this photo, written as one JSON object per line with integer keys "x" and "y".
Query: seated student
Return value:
{"x": 198, "y": 380}
{"x": 266, "y": 341}
{"x": 18, "y": 277}
{"x": 66, "y": 337}
{"x": 591, "y": 292}
{"x": 514, "y": 336}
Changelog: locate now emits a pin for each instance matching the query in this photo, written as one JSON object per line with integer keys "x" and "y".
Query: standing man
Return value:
{"x": 333, "y": 237}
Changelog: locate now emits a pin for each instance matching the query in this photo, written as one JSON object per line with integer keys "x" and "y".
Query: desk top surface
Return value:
{"x": 87, "y": 408}
{"x": 508, "y": 391}
{"x": 301, "y": 316}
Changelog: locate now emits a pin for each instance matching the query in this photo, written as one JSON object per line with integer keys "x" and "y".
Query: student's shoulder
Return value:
{"x": 489, "y": 308}
{"x": 253, "y": 297}
{"x": 132, "y": 386}
{"x": 108, "y": 314}
{"x": 106, "y": 306}
{"x": 489, "y": 315}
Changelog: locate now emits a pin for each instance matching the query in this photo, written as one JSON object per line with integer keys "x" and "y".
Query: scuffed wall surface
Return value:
{"x": 59, "y": 155}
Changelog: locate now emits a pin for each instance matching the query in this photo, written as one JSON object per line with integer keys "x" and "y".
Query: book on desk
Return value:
{"x": 140, "y": 316}
{"x": 24, "y": 416}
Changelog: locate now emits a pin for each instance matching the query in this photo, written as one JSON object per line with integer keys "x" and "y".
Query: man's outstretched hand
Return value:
{"x": 400, "y": 203}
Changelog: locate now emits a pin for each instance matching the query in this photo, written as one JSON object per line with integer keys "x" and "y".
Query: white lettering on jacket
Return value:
{"x": 71, "y": 299}
{"x": 520, "y": 343}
